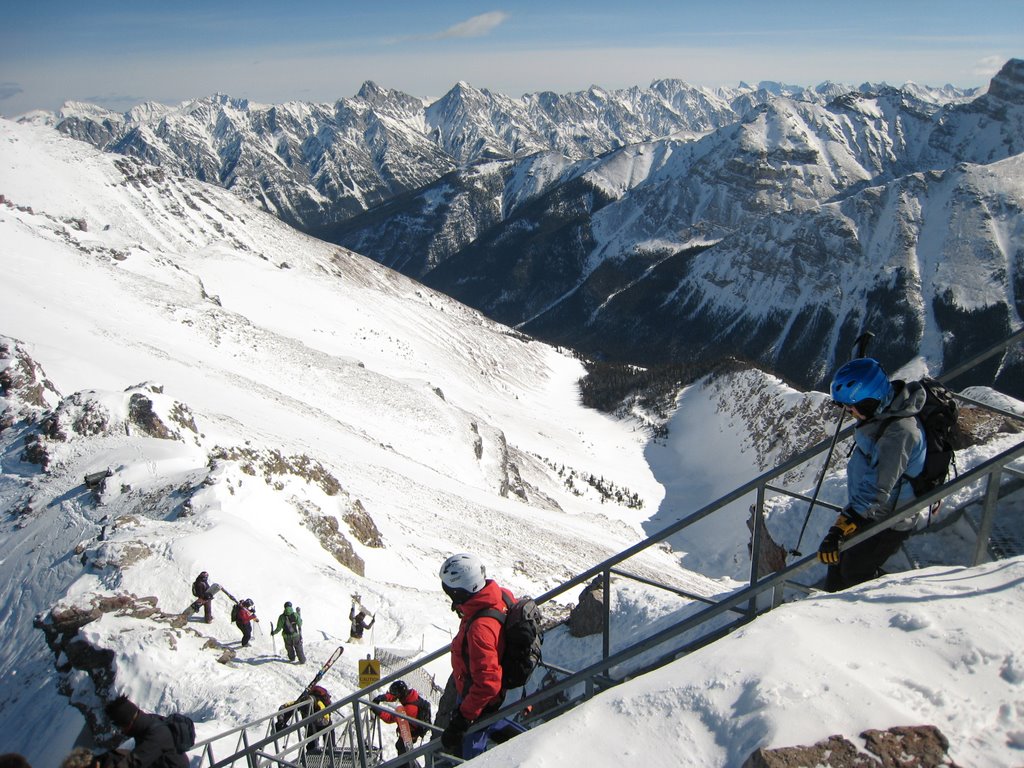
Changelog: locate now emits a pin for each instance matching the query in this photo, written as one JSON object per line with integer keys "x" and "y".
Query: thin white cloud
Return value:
{"x": 7, "y": 90}
{"x": 477, "y": 26}
{"x": 989, "y": 66}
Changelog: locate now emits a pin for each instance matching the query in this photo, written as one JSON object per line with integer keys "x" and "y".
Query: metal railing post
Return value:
{"x": 360, "y": 740}
{"x": 251, "y": 756}
{"x": 606, "y": 637}
{"x": 988, "y": 509}
{"x": 755, "y": 542}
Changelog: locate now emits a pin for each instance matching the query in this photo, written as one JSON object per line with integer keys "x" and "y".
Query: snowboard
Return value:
{"x": 195, "y": 606}
{"x": 405, "y": 732}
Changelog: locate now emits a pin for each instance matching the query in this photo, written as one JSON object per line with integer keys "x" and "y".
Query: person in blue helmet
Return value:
{"x": 887, "y": 449}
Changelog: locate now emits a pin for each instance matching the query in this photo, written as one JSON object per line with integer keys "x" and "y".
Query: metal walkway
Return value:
{"x": 354, "y": 737}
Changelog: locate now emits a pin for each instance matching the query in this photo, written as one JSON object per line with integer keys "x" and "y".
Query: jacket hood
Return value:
{"x": 907, "y": 399}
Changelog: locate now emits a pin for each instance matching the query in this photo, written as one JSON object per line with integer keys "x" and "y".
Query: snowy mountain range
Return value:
{"x": 306, "y": 424}
{"x": 777, "y": 237}
{"x": 579, "y": 217}
{"x": 316, "y": 164}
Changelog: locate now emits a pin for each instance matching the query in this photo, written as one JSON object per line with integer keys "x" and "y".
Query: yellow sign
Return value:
{"x": 369, "y": 672}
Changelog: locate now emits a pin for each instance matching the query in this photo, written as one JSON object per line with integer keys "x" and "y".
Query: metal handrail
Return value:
{"x": 599, "y": 675}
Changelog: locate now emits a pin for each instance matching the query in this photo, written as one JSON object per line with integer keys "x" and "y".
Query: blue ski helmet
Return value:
{"x": 860, "y": 379}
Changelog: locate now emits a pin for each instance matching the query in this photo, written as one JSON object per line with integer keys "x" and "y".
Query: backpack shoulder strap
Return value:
{"x": 491, "y": 613}
{"x": 494, "y": 613}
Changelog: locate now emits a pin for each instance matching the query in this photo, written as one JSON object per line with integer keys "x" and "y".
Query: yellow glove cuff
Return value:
{"x": 846, "y": 525}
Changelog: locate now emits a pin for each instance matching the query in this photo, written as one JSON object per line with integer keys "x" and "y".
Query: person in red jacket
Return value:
{"x": 476, "y": 648}
{"x": 410, "y": 700}
{"x": 244, "y": 614}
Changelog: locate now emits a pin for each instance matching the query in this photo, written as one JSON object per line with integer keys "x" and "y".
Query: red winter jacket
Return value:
{"x": 477, "y": 650}
{"x": 410, "y": 703}
{"x": 245, "y": 615}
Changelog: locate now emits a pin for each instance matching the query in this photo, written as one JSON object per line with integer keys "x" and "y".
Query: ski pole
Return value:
{"x": 860, "y": 348}
{"x": 821, "y": 478}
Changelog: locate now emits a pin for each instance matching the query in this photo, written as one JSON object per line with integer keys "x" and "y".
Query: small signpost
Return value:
{"x": 369, "y": 672}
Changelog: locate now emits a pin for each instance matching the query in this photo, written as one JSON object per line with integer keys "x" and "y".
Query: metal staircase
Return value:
{"x": 354, "y": 737}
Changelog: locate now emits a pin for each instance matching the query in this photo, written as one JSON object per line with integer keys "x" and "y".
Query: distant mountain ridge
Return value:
{"x": 587, "y": 219}
{"x": 778, "y": 237}
{"x": 313, "y": 164}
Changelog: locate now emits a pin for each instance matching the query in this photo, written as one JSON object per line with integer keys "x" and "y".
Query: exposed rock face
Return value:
{"x": 92, "y": 414}
{"x": 771, "y": 557}
{"x": 833, "y": 752}
{"x": 75, "y": 656}
{"x": 25, "y": 392}
{"x": 587, "y": 617}
{"x": 1008, "y": 84}
{"x": 271, "y": 464}
{"x": 275, "y": 468}
{"x": 362, "y": 526}
{"x": 921, "y": 746}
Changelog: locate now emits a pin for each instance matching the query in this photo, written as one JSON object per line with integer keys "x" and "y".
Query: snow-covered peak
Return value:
{"x": 1008, "y": 83}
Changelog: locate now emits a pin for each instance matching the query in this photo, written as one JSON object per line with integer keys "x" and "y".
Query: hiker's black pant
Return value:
{"x": 293, "y": 645}
{"x": 246, "y": 628}
{"x": 400, "y": 746}
{"x": 864, "y": 561}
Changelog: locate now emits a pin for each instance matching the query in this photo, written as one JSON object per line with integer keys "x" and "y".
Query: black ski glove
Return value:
{"x": 379, "y": 699}
{"x": 844, "y": 527}
{"x": 452, "y": 736}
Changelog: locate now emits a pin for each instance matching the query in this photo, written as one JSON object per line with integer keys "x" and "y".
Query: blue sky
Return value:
{"x": 118, "y": 54}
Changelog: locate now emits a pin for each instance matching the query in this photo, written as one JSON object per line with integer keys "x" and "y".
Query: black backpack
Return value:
{"x": 523, "y": 639}
{"x": 234, "y": 611}
{"x": 183, "y": 731}
{"x": 938, "y": 417}
{"x": 423, "y": 713}
{"x": 291, "y": 626}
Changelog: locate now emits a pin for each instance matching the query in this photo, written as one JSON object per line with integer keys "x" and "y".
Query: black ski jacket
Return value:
{"x": 154, "y": 744}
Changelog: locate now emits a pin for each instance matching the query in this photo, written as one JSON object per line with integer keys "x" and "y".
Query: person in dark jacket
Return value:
{"x": 400, "y": 693}
{"x": 476, "y": 648}
{"x": 204, "y": 597}
{"x": 889, "y": 448}
{"x": 245, "y": 615}
{"x": 289, "y": 624}
{"x": 154, "y": 744}
{"x": 314, "y": 699}
{"x": 358, "y": 624}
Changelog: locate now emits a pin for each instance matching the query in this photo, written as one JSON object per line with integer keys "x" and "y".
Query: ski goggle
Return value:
{"x": 457, "y": 594}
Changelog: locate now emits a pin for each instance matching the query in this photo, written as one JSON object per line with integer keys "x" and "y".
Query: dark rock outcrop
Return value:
{"x": 587, "y": 617}
{"x": 920, "y": 746}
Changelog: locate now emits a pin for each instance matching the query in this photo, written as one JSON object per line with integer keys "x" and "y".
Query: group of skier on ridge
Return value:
{"x": 289, "y": 623}
{"x": 889, "y": 455}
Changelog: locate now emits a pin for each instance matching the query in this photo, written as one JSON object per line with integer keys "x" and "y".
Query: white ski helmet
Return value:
{"x": 462, "y": 576}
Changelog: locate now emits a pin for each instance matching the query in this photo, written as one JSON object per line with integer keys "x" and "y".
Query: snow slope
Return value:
{"x": 940, "y": 646}
{"x": 288, "y": 354}
{"x": 301, "y": 384}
